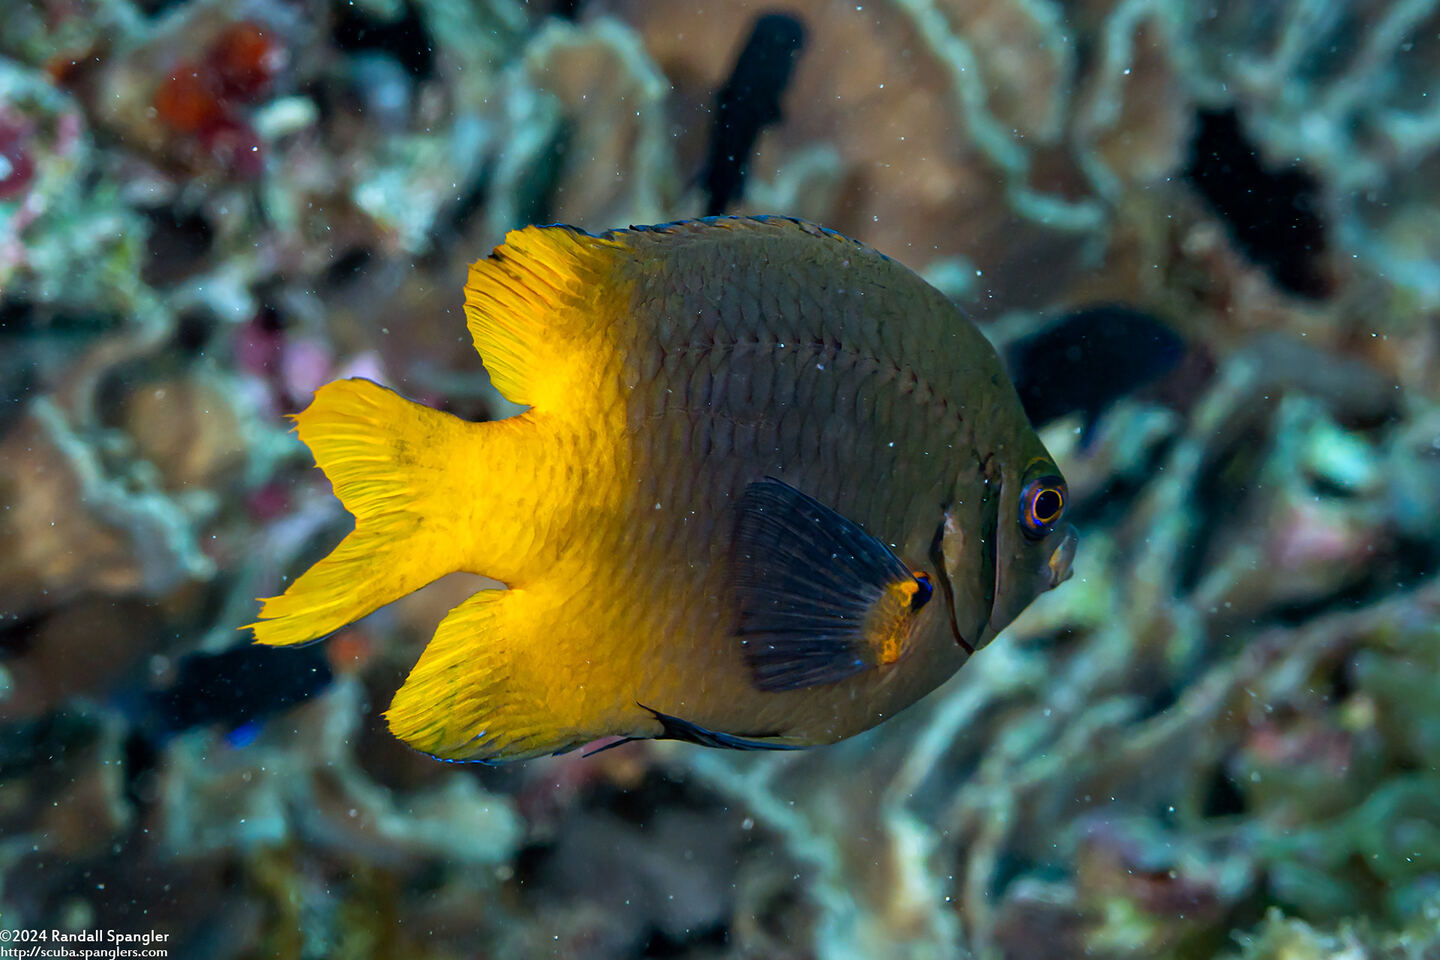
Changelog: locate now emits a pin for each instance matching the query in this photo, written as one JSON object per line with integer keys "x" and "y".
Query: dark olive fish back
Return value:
{"x": 822, "y": 363}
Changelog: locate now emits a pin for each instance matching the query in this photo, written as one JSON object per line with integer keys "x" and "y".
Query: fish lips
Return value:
{"x": 1059, "y": 566}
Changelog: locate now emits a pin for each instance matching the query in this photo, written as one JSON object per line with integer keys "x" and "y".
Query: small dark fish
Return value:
{"x": 748, "y": 103}
{"x": 236, "y": 688}
{"x": 1086, "y": 360}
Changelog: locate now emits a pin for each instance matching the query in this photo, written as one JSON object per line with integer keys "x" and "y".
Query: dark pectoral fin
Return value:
{"x": 820, "y": 599}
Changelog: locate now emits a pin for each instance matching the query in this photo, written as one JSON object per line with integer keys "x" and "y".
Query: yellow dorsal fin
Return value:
{"x": 531, "y": 303}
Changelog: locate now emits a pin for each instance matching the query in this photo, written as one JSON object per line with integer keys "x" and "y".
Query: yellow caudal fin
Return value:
{"x": 403, "y": 470}
{"x": 484, "y": 689}
{"x": 533, "y": 304}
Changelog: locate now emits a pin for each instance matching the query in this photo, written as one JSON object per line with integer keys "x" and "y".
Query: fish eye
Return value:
{"x": 1042, "y": 503}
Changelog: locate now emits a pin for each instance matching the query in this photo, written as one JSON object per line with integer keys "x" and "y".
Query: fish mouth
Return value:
{"x": 1061, "y": 558}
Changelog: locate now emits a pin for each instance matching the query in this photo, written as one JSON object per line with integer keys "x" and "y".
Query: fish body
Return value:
{"x": 771, "y": 486}
{"x": 1087, "y": 360}
{"x": 233, "y": 688}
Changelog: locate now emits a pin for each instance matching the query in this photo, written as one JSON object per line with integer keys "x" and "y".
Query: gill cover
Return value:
{"x": 965, "y": 551}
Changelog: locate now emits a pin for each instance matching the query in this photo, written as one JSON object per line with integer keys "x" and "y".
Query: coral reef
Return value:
{"x": 1221, "y": 738}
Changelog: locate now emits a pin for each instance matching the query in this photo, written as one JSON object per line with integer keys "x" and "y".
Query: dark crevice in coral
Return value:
{"x": 472, "y": 199}
{"x": 1341, "y": 679}
{"x": 1112, "y": 503}
{"x": 156, "y": 8}
{"x": 1415, "y": 557}
{"x": 347, "y": 267}
{"x": 782, "y": 913}
{"x": 656, "y": 791}
{"x": 142, "y": 756}
{"x": 1159, "y": 697}
{"x": 1222, "y": 797}
{"x": 1272, "y": 214}
{"x": 44, "y": 741}
{"x": 113, "y": 389}
{"x": 270, "y": 318}
{"x": 406, "y": 38}
{"x": 16, "y": 316}
{"x": 178, "y": 244}
{"x": 1012, "y": 866}
{"x": 1298, "y": 614}
{"x": 22, "y": 317}
{"x": 18, "y": 382}
{"x": 659, "y": 945}
{"x": 1061, "y": 641}
{"x": 1406, "y": 567}
{"x": 1326, "y": 488}
{"x": 1244, "y": 915}
{"x": 1406, "y": 765}
{"x": 37, "y": 340}
{"x": 528, "y": 862}
{"x": 537, "y": 192}
{"x": 1334, "y": 47}
{"x": 1217, "y": 495}
{"x": 17, "y": 636}
{"x": 193, "y": 330}
{"x": 567, "y": 9}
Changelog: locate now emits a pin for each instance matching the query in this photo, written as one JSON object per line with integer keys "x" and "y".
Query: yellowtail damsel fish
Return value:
{"x": 771, "y": 489}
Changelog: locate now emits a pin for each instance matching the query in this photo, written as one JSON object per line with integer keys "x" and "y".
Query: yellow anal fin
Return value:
{"x": 531, "y": 304}
{"x": 484, "y": 691}
{"x": 401, "y": 469}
